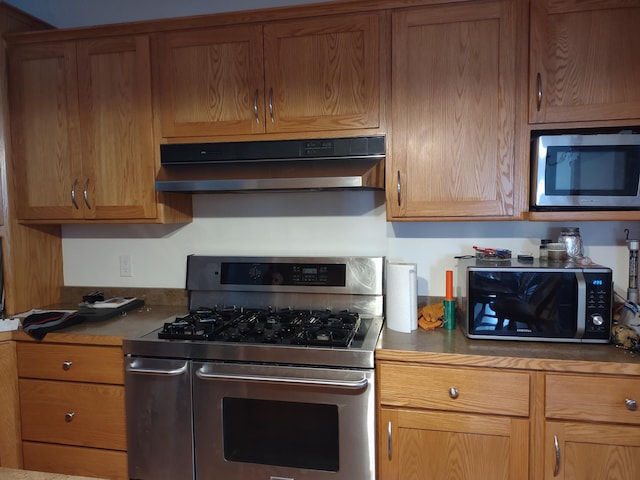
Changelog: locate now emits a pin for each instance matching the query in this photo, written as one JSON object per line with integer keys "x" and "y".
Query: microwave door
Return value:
{"x": 583, "y": 172}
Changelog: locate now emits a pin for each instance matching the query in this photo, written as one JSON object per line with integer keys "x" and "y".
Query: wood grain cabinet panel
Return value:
{"x": 86, "y": 462}
{"x": 303, "y": 75}
{"x": 592, "y": 427}
{"x": 79, "y": 414}
{"x": 77, "y": 363}
{"x": 454, "y": 112}
{"x": 584, "y": 62}
{"x": 447, "y": 422}
{"x": 455, "y": 389}
{"x": 82, "y": 129}
{"x": 72, "y": 409}
{"x": 10, "y": 452}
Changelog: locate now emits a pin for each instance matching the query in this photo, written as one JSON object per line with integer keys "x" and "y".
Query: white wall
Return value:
{"x": 310, "y": 223}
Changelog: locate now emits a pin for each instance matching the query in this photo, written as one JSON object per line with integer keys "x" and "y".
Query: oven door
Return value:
{"x": 159, "y": 418}
{"x": 268, "y": 422}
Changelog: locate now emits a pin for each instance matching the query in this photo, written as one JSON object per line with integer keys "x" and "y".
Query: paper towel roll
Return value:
{"x": 402, "y": 297}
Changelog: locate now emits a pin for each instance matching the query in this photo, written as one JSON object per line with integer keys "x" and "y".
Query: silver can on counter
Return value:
{"x": 572, "y": 240}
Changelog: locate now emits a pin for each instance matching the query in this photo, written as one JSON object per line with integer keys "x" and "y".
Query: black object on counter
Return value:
{"x": 39, "y": 324}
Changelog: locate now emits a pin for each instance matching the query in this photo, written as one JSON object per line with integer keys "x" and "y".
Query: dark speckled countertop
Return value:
{"x": 454, "y": 348}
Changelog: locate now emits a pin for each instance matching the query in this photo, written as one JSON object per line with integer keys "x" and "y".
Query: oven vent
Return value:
{"x": 275, "y": 165}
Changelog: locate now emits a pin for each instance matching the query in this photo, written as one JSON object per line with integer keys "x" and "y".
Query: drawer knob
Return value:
{"x": 66, "y": 365}
{"x": 453, "y": 392}
{"x": 631, "y": 404}
{"x": 69, "y": 416}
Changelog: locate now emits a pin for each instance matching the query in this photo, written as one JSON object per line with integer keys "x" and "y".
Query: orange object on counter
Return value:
{"x": 430, "y": 316}
{"x": 449, "y": 285}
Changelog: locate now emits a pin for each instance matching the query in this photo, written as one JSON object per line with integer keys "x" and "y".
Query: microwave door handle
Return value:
{"x": 582, "y": 305}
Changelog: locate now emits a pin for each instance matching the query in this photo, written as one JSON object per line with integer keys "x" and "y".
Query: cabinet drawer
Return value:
{"x": 81, "y": 414}
{"x": 79, "y": 363}
{"x": 479, "y": 391}
{"x": 592, "y": 398}
{"x": 86, "y": 462}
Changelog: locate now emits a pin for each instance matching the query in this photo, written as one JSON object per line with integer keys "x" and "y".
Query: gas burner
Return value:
{"x": 248, "y": 325}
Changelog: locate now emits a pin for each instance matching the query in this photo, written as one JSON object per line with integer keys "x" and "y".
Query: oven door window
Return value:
{"x": 523, "y": 303}
{"x": 287, "y": 434}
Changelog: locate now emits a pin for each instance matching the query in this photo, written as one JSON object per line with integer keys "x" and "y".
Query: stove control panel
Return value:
{"x": 241, "y": 273}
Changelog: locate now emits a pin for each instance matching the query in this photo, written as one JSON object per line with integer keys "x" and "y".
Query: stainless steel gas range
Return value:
{"x": 270, "y": 376}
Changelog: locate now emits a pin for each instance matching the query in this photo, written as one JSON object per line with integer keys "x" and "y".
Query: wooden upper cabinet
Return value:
{"x": 454, "y": 113}
{"x": 584, "y": 61}
{"x": 82, "y": 129}
{"x": 211, "y": 81}
{"x": 323, "y": 73}
{"x": 303, "y": 75}
{"x": 45, "y": 129}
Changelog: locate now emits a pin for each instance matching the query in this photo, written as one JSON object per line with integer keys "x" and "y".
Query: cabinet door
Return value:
{"x": 118, "y": 154}
{"x": 588, "y": 451}
{"x": 453, "y": 103}
{"x": 45, "y": 131}
{"x": 584, "y": 61}
{"x": 427, "y": 445}
{"x": 211, "y": 81}
{"x": 323, "y": 73}
{"x": 10, "y": 452}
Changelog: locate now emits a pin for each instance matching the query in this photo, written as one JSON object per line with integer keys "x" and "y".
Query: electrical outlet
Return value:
{"x": 126, "y": 266}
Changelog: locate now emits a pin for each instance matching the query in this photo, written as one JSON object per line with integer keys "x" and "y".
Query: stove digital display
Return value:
{"x": 239, "y": 273}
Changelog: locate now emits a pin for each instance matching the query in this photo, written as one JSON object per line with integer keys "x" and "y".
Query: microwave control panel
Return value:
{"x": 598, "y": 304}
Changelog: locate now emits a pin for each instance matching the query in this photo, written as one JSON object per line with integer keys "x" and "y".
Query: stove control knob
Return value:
{"x": 255, "y": 273}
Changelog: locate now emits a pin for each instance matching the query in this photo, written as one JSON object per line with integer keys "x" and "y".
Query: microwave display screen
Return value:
{"x": 523, "y": 303}
{"x": 592, "y": 170}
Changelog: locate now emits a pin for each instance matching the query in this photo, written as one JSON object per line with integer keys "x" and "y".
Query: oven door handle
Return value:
{"x": 154, "y": 371}
{"x": 351, "y": 385}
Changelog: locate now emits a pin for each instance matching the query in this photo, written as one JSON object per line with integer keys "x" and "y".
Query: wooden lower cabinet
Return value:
{"x": 440, "y": 422}
{"x": 87, "y": 462}
{"x": 450, "y": 423}
{"x": 10, "y": 454}
{"x": 591, "y": 451}
{"x": 592, "y": 427}
{"x": 72, "y": 408}
{"x": 422, "y": 444}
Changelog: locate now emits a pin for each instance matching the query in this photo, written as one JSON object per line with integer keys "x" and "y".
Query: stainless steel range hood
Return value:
{"x": 319, "y": 164}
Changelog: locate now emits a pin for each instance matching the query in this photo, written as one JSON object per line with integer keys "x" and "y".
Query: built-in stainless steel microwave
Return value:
{"x": 585, "y": 171}
{"x": 539, "y": 300}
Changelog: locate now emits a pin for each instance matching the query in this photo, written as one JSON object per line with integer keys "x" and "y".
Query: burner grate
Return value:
{"x": 286, "y": 326}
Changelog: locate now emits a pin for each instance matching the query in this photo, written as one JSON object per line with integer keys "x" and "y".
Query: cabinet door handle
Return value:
{"x": 66, "y": 365}
{"x": 539, "y": 94}
{"x": 389, "y": 440}
{"x": 556, "y": 467}
{"x": 255, "y": 106}
{"x": 631, "y": 404}
{"x": 271, "y": 104}
{"x": 69, "y": 416}
{"x": 73, "y": 194}
{"x": 85, "y": 194}
{"x": 453, "y": 393}
{"x": 399, "y": 189}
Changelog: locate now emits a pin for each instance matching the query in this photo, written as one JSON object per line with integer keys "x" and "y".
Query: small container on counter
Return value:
{"x": 543, "y": 248}
{"x": 571, "y": 238}
{"x": 556, "y": 252}
{"x": 449, "y": 303}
